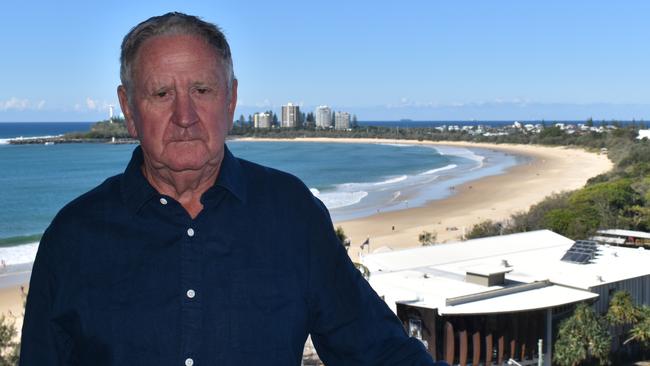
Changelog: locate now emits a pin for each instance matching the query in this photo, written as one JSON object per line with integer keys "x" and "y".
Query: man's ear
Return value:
{"x": 232, "y": 103}
{"x": 126, "y": 109}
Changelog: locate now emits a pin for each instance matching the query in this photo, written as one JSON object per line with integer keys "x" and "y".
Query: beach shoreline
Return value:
{"x": 494, "y": 197}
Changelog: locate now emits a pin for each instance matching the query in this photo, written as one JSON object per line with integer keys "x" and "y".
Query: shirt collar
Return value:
{"x": 136, "y": 190}
{"x": 231, "y": 176}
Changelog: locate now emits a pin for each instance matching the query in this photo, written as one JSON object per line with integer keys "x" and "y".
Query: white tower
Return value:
{"x": 110, "y": 112}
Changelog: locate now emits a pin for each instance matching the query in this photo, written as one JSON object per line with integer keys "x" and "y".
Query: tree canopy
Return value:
{"x": 582, "y": 337}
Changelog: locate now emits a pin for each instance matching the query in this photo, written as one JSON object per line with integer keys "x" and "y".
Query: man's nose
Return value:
{"x": 184, "y": 110}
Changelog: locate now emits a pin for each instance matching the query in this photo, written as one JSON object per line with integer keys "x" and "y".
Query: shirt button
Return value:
{"x": 189, "y": 362}
{"x": 163, "y": 200}
{"x": 191, "y": 293}
{"x": 190, "y": 232}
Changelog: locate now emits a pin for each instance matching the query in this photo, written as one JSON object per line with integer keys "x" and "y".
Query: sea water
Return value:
{"x": 352, "y": 179}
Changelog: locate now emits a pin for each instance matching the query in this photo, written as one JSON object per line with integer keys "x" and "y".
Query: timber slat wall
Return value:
{"x": 479, "y": 339}
{"x": 493, "y": 341}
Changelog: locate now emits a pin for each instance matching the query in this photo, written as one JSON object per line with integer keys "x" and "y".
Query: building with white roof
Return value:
{"x": 502, "y": 294}
{"x": 629, "y": 238}
{"x": 643, "y": 134}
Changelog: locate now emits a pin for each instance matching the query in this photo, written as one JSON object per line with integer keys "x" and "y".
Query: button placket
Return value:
{"x": 191, "y": 315}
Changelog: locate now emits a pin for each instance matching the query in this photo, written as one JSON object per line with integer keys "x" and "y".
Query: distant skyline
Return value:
{"x": 420, "y": 60}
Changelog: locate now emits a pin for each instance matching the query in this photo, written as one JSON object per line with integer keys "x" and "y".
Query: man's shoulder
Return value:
{"x": 94, "y": 200}
{"x": 79, "y": 216}
{"x": 266, "y": 184}
{"x": 260, "y": 175}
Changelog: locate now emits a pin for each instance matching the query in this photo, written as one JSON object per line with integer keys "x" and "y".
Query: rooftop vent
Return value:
{"x": 487, "y": 276}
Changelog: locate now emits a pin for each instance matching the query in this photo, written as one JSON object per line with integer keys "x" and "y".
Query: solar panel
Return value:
{"x": 581, "y": 252}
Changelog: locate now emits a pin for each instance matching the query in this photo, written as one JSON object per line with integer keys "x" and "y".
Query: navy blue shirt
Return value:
{"x": 124, "y": 276}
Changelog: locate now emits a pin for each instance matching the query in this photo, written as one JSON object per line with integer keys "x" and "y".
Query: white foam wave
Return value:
{"x": 351, "y": 187}
{"x": 314, "y": 191}
{"x": 24, "y": 253}
{"x": 5, "y": 141}
{"x": 392, "y": 180}
{"x": 395, "y": 195}
{"x": 397, "y": 145}
{"x": 339, "y": 199}
{"x": 461, "y": 152}
{"x": 433, "y": 171}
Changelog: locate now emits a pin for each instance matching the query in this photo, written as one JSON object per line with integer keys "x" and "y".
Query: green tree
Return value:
{"x": 9, "y": 347}
{"x": 641, "y": 330}
{"x": 9, "y": 344}
{"x": 582, "y": 337}
{"x": 340, "y": 234}
{"x": 553, "y": 131}
{"x": 365, "y": 272}
{"x": 484, "y": 229}
{"x": 427, "y": 238}
{"x": 622, "y": 310}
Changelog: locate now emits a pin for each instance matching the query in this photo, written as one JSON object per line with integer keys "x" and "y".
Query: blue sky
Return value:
{"x": 423, "y": 60}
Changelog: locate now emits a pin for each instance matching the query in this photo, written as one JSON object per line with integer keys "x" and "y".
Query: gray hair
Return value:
{"x": 173, "y": 23}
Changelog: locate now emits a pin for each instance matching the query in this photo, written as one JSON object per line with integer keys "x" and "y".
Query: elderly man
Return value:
{"x": 192, "y": 256}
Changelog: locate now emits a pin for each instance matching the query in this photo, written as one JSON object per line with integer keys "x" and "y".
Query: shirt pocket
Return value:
{"x": 264, "y": 311}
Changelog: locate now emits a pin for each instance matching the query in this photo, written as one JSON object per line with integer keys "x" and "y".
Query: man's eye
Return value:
{"x": 202, "y": 90}
{"x": 161, "y": 94}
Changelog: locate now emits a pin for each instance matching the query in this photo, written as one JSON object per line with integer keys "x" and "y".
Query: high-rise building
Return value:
{"x": 290, "y": 115}
{"x": 342, "y": 120}
{"x": 323, "y": 116}
{"x": 263, "y": 120}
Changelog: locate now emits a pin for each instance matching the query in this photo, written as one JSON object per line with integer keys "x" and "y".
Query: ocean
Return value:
{"x": 352, "y": 179}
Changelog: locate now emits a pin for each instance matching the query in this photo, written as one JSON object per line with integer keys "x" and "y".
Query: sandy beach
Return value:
{"x": 13, "y": 285}
{"x": 551, "y": 169}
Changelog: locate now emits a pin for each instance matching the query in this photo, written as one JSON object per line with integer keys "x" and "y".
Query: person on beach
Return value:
{"x": 193, "y": 256}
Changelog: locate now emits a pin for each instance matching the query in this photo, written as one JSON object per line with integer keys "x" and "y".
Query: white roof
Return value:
{"x": 619, "y": 232}
{"x": 643, "y": 134}
{"x": 430, "y": 276}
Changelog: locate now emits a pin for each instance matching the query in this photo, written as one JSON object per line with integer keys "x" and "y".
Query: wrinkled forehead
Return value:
{"x": 166, "y": 56}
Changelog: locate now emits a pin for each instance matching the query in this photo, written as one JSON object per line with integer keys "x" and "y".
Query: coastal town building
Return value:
{"x": 493, "y": 299}
{"x": 643, "y": 134}
{"x": 290, "y": 116}
{"x": 323, "y": 116}
{"x": 263, "y": 120}
{"x": 628, "y": 238}
{"x": 342, "y": 121}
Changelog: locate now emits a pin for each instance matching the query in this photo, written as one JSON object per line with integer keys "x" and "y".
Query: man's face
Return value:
{"x": 180, "y": 108}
